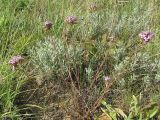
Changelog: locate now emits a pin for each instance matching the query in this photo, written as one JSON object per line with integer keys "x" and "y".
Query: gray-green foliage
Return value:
{"x": 53, "y": 54}
{"x": 143, "y": 68}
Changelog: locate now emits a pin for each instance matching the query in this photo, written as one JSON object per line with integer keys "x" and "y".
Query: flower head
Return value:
{"x": 146, "y": 36}
{"x": 71, "y": 20}
{"x": 106, "y": 78}
{"x": 15, "y": 60}
{"x": 48, "y": 25}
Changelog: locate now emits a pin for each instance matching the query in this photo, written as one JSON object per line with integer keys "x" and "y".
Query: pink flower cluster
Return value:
{"x": 48, "y": 25}
{"x": 15, "y": 60}
{"x": 71, "y": 20}
{"x": 106, "y": 78}
{"x": 146, "y": 36}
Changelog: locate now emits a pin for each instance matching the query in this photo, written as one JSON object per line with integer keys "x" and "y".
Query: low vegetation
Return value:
{"x": 79, "y": 60}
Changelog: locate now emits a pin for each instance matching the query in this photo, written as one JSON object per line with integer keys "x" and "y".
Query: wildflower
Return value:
{"x": 146, "y": 36}
{"x": 48, "y": 25}
{"x": 71, "y": 20}
{"x": 106, "y": 78}
{"x": 92, "y": 7}
{"x": 15, "y": 60}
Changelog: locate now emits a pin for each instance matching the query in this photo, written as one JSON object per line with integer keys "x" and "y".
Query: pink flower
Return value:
{"x": 146, "y": 36}
{"x": 48, "y": 25}
{"x": 71, "y": 20}
{"x": 106, "y": 78}
{"x": 15, "y": 60}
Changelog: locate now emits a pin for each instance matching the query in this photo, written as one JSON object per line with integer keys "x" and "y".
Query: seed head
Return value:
{"x": 92, "y": 7}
